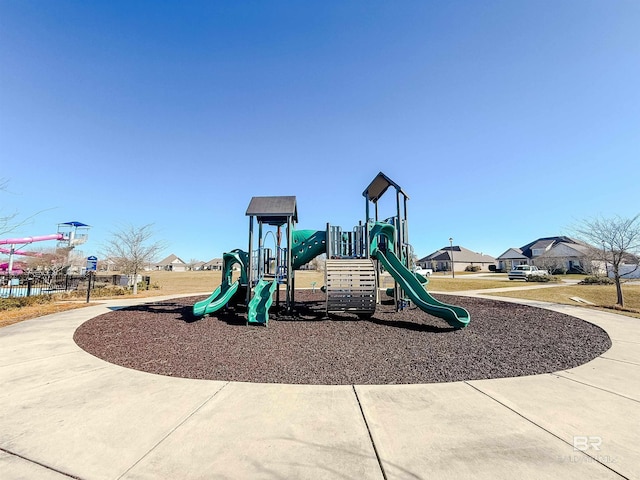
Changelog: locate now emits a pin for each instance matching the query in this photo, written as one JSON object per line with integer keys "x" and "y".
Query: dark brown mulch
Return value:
{"x": 502, "y": 340}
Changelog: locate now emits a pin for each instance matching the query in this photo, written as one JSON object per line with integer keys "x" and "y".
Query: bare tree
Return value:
{"x": 191, "y": 265}
{"x": 9, "y": 221}
{"x": 318, "y": 263}
{"x": 132, "y": 248}
{"x": 554, "y": 265}
{"x": 620, "y": 240}
{"x": 6, "y": 219}
{"x": 50, "y": 264}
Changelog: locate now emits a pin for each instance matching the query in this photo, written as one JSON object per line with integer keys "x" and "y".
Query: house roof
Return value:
{"x": 214, "y": 261}
{"x": 512, "y": 254}
{"x": 273, "y": 210}
{"x": 170, "y": 260}
{"x": 460, "y": 254}
{"x": 544, "y": 243}
{"x": 562, "y": 249}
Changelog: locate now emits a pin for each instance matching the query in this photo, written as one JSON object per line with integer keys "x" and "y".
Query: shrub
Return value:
{"x": 20, "y": 302}
{"x": 596, "y": 280}
{"x": 542, "y": 278}
{"x": 103, "y": 291}
{"x": 558, "y": 270}
{"x": 472, "y": 268}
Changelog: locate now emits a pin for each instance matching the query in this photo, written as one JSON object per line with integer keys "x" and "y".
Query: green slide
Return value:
{"x": 227, "y": 289}
{"x": 218, "y": 299}
{"x": 307, "y": 245}
{"x": 457, "y": 317}
{"x": 261, "y": 301}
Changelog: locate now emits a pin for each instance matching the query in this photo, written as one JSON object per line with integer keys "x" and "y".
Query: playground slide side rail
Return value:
{"x": 455, "y": 316}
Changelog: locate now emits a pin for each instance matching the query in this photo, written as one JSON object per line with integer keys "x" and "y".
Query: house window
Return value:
{"x": 536, "y": 252}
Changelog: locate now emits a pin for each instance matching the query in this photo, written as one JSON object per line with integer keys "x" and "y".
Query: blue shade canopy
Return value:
{"x": 75, "y": 224}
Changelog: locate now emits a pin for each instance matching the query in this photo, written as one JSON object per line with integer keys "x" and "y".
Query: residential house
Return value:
{"x": 556, "y": 254}
{"x": 511, "y": 258}
{"x": 456, "y": 258}
{"x": 172, "y": 263}
{"x": 196, "y": 265}
{"x": 107, "y": 265}
{"x": 213, "y": 264}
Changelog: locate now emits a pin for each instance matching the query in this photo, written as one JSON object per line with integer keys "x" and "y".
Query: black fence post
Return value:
{"x": 89, "y": 274}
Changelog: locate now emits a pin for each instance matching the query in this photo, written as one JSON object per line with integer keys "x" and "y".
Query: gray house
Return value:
{"x": 556, "y": 254}
{"x": 456, "y": 258}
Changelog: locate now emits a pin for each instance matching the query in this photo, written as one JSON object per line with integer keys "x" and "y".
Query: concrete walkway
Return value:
{"x": 66, "y": 414}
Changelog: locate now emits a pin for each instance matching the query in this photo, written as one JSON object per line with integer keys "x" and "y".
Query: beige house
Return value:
{"x": 456, "y": 258}
{"x": 213, "y": 264}
{"x": 172, "y": 263}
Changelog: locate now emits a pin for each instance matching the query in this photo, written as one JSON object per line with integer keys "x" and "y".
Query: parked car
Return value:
{"x": 523, "y": 272}
{"x": 424, "y": 271}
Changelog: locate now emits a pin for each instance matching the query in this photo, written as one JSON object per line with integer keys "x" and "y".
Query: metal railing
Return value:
{"x": 38, "y": 283}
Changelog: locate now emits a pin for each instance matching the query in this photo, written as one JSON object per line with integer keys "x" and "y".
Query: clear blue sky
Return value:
{"x": 504, "y": 121}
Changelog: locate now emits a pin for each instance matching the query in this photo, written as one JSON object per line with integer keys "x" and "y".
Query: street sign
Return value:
{"x": 92, "y": 264}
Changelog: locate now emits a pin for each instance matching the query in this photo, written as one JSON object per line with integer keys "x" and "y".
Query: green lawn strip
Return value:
{"x": 602, "y": 296}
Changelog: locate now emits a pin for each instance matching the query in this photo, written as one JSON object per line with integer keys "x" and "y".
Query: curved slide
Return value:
{"x": 218, "y": 299}
{"x": 455, "y": 316}
{"x": 227, "y": 289}
{"x": 261, "y": 301}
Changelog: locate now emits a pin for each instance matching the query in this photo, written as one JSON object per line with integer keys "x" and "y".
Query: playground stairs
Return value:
{"x": 351, "y": 286}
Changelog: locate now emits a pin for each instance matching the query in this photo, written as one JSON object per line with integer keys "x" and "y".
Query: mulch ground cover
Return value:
{"x": 411, "y": 346}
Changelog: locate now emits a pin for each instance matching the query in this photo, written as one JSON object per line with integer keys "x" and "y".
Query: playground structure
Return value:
{"x": 354, "y": 260}
{"x": 69, "y": 235}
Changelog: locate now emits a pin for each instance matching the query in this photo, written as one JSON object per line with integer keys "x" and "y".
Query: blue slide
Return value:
{"x": 457, "y": 317}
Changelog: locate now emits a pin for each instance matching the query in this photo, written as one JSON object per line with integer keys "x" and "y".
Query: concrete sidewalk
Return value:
{"x": 66, "y": 414}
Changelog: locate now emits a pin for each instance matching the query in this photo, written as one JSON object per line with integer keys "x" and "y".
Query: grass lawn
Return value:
{"x": 16, "y": 315}
{"x": 463, "y": 283}
{"x": 601, "y": 295}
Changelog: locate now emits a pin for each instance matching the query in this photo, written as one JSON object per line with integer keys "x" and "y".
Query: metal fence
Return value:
{"x": 31, "y": 284}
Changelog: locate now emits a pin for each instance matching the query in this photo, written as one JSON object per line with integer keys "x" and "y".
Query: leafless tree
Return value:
{"x": 318, "y": 263}
{"x": 7, "y": 220}
{"x": 554, "y": 265}
{"x": 191, "y": 265}
{"x": 620, "y": 240}
{"x": 132, "y": 248}
{"x": 50, "y": 264}
{"x": 10, "y": 221}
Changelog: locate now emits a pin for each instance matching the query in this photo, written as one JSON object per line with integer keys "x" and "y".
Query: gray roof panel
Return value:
{"x": 273, "y": 210}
